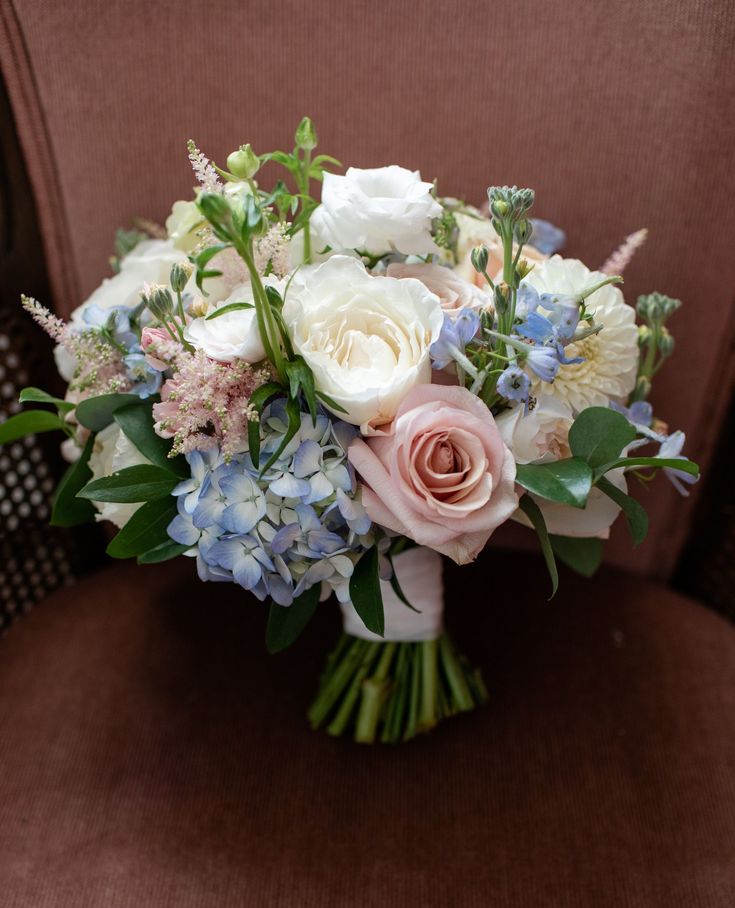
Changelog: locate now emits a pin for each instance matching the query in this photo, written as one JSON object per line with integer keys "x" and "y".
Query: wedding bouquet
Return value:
{"x": 315, "y": 397}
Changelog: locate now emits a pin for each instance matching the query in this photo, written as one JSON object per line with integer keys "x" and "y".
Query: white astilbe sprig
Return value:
{"x": 272, "y": 252}
{"x": 620, "y": 259}
{"x": 203, "y": 169}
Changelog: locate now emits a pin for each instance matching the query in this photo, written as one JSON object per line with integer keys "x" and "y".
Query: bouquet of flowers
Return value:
{"x": 323, "y": 397}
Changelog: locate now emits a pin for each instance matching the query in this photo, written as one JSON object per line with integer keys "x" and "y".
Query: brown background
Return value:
{"x": 619, "y": 116}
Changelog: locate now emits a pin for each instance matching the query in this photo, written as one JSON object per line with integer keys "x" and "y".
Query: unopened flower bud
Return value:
{"x": 243, "y": 163}
{"x": 198, "y": 307}
{"x": 478, "y": 257}
{"x": 502, "y": 298}
{"x": 180, "y": 274}
{"x": 214, "y": 207}
{"x": 500, "y": 208}
{"x": 642, "y": 388}
{"x": 523, "y": 231}
{"x": 665, "y": 343}
{"x": 305, "y": 135}
{"x": 523, "y": 268}
{"x": 158, "y": 300}
{"x": 644, "y": 335}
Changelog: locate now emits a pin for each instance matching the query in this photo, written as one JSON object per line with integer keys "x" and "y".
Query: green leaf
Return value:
{"x": 566, "y": 481}
{"x": 31, "y": 422}
{"x": 365, "y": 592}
{"x": 533, "y": 512}
{"x": 258, "y": 399}
{"x": 96, "y": 413}
{"x": 163, "y": 552}
{"x": 301, "y": 379}
{"x": 230, "y": 307}
{"x": 136, "y": 421}
{"x": 599, "y": 434}
{"x": 37, "y": 396}
{"x": 396, "y": 587}
{"x": 273, "y": 296}
{"x": 330, "y": 402}
{"x": 145, "y": 530}
{"x": 686, "y": 466}
{"x": 286, "y": 622}
{"x": 581, "y": 555}
{"x": 294, "y": 424}
{"x": 144, "y": 482}
{"x": 68, "y": 510}
{"x": 635, "y": 514}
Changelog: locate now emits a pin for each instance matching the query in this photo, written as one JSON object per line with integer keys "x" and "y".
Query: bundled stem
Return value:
{"x": 390, "y": 692}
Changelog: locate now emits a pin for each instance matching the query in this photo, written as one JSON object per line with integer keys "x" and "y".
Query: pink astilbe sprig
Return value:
{"x": 203, "y": 169}
{"x": 272, "y": 251}
{"x": 620, "y": 259}
{"x": 99, "y": 366}
{"x": 206, "y": 404}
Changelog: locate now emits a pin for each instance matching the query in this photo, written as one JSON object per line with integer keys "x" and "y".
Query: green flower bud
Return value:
{"x": 523, "y": 268}
{"x": 500, "y": 208}
{"x": 180, "y": 274}
{"x": 158, "y": 300}
{"x": 305, "y": 135}
{"x": 665, "y": 343}
{"x": 523, "y": 231}
{"x": 642, "y": 388}
{"x": 644, "y": 335}
{"x": 478, "y": 257}
{"x": 243, "y": 163}
{"x": 502, "y": 298}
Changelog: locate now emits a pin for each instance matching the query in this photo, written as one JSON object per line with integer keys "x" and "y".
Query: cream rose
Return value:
{"x": 113, "y": 451}
{"x": 231, "y": 336}
{"x": 379, "y": 210}
{"x": 441, "y": 475}
{"x": 542, "y": 436}
{"x": 365, "y": 338}
{"x": 479, "y": 231}
{"x": 454, "y": 292}
{"x": 182, "y": 225}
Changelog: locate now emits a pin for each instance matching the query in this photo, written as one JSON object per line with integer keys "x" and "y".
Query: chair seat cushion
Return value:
{"x": 152, "y": 753}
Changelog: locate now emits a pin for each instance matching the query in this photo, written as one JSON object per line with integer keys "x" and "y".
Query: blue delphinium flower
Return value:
{"x": 454, "y": 336}
{"x": 546, "y": 237}
{"x": 145, "y": 379}
{"x": 513, "y": 383}
{"x": 672, "y": 447}
{"x": 279, "y": 532}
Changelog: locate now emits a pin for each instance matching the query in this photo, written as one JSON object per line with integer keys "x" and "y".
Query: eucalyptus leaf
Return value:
{"x": 627, "y": 463}
{"x": 533, "y": 512}
{"x": 96, "y": 413}
{"x": 163, "y": 552}
{"x": 599, "y": 434}
{"x": 145, "y": 530}
{"x": 31, "y": 422}
{"x": 68, "y": 510}
{"x": 286, "y": 623}
{"x": 144, "y": 482}
{"x": 635, "y": 514}
{"x": 365, "y": 592}
{"x": 566, "y": 481}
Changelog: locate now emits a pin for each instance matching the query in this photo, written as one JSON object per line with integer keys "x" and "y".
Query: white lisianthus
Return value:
{"x": 148, "y": 263}
{"x": 231, "y": 336}
{"x": 611, "y": 357}
{"x": 542, "y": 436}
{"x": 113, "y": 451}
{"x": 382, "y": 209}
{"x": 182, "y": 224}
{"x": 455, "y": 293}
{"x": 365, "y": 338}
{"x": 539, "y": 436}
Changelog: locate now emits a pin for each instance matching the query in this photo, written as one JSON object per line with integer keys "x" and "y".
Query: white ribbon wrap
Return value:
{"x": 419, "y": 573}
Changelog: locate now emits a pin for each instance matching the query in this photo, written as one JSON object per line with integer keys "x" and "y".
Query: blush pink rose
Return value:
{"x": 440, "y": 474}
{"x": 155, "y": 338}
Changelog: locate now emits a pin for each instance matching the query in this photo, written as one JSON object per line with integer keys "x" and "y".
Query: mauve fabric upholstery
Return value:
{"x": 621, "y": 116}
{"x": 152, "y": 754}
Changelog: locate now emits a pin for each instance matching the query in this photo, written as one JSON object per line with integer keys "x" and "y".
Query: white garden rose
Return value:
{"x": 611, "y": 357}
{"x": 455, "y": 293}
{"x": 113, "y": 451}
{"x": 231, "y": 336}
{"x": 378, "y": 210}
{"x": 541, "y": 436}
{"x": 365, "y": 338}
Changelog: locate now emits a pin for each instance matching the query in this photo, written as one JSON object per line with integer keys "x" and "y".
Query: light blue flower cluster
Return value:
{"x": 277, "y": 534}
{"x": 117, "y": 324}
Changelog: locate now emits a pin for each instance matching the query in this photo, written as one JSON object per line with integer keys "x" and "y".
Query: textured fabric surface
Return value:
{"x": 152, "y": 754}
{"x": 620, "y": 119}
